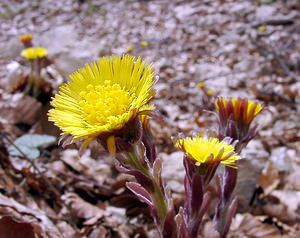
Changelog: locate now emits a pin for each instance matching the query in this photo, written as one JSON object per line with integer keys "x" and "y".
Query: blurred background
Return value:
{"x": 200, "y": 49}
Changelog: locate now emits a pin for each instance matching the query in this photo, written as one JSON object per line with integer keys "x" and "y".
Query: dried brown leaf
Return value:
{"x": 208, "y": 231}
{"x": 283, "y": 204}
{"x": 246, "y": 225}
{"x": 82, "y": 209}
{"x": 269, "y": 179}
{"x": 293, "y": 181}
{"x": 18, "y": 108}
{"x": 9, "y": 228}
{"x": 20, "y": 218}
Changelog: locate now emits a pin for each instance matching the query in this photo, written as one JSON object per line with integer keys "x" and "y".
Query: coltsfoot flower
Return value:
{"x": 26, "y": 38}
{"x": 238, "y": 109}
{"x": 144, "y": 43}
{"x": 33, "y": 53}
{"x": 103, "y": 99}
{"x": 206, "y": 151}
{"x": 235, "y": 118}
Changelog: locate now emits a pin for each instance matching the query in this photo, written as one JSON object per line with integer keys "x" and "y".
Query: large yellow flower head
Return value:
{"x": 33, "y": 53}
{"x": 208, "y": 150}
{"x": 103, "y": 97}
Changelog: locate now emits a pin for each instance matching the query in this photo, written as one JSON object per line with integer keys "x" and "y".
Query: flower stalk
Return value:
{"x": 195, "y": 204}
{"x": 36, "y": 57}
{"x": 202, "y": 158}
{"x": 149, "y": 187}
{"x": 235, "y": 117}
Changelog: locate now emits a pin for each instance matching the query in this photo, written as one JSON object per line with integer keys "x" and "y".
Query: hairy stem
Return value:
{"x": 148, "y": 176}
{"x": 159, "y": 202}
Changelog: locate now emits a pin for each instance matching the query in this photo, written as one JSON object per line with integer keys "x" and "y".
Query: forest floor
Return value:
{"x": 234, "y": 48}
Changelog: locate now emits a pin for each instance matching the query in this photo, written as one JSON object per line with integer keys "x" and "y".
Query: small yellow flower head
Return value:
{"x": 33, "y": 53}
{"x": 240, "y": 110}
{"x": 201, "y": 85}
{"x": 26, "y": 38}
{"x": 144, "y": 43}
{"x": 103, "y": 97}
{"x": 205, "y": 151}
{"x": 262, "y": 28}
{"x": 209, "y": 92}
{"x": 129, "y": 49}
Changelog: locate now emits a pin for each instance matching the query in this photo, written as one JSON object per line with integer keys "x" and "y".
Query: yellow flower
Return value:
{"x": 103, "y": 97}
{"x": 262, "y": 28}
{"x": 242, "y": 110}
{"x": 144, "y": 43}
{"x": 129, "y": 49}
{"x": 208, "y": 150}
{"x": 33, "y": 53}
{"x": 25, "y": 38}
{"x": 201, "y": 85}
{"x": 209, "y": 92}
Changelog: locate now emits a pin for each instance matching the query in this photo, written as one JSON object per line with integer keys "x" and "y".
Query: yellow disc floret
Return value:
{"x": 208, "y": 150}
{"x": 103, "y": 96}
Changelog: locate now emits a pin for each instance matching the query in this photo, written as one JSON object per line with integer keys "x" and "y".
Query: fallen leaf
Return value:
{"x": 23, "y": 219}
{"x": 269, "y": 179}
{"x": 29, "y": 144}
{"x": 9, "y": 228}
{"x": 285, "y": 206}
{"x": 247, "y": 225}
{"x": 82, "y": 209}
{"x": 18, "y": 108}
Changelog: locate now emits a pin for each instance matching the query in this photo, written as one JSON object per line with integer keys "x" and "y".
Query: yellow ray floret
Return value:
{"x": 243, "y": 110}
{"x": 103, "y": 96}
{"x": 33, "y": 53}
{"x": 208, "y": 150}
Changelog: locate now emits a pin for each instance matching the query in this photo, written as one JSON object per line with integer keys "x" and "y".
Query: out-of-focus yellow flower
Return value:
{"x": 201, "y": 85}
{"x": 262, "y": 28}
{"x": 209, "y": 92}
{"x": 208, "y": 150}
{"x": 144, "y": 43}
{"x": 33, "y": 53}
{"x": 129, "y": 49}
{"x": 25, "y": 38}
{"x": 103, "y": 97}
{"x": 238, "y": 109}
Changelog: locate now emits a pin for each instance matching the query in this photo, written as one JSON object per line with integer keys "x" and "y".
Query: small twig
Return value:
{"x": 275, "y": 22}
{"x": 284, "y": 66}
{"x": 279, "y": 59}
